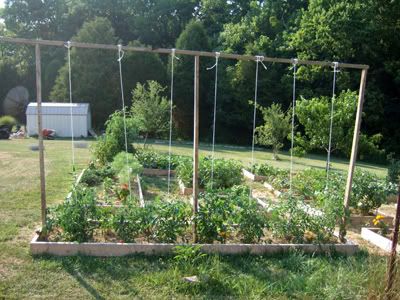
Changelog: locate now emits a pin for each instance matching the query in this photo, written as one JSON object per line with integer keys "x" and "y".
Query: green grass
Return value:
{"x": 24, "y": 277}
{"x": 265, "y": 156}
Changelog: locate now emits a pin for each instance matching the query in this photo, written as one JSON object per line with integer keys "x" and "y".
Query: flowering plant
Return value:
{"x": 383, "y": 227}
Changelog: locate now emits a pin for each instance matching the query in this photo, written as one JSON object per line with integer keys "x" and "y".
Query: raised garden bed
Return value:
{"x": 253, "y": 177}
{"x": 38, "y": 247}
{"x": 186, "y": 190}
{"x": 136, "y": 190}
{"x": 358, "y": 220}
{"x": 372, "y": 235}
{"x": 270, "y": 188}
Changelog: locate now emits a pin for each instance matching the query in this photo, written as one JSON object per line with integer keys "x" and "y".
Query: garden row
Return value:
{"x": 104, "y": 207}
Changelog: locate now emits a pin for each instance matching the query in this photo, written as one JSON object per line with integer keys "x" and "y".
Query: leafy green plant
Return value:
{"x": 171, "y": 220}
{"x": 227, "y": 173}
{"x": 214, "y": 222}
{"x": 295, "y": 222}
{"x": 188, "y": 255}
{"x": 94, "y": 175}
{"x": 113, "y": 142}
{"x": 132, "y": 221}
{"x": 126, "y": 166}
{"x": 76, "y": 217}
{"x": 279, "y": 178}
{"x": 369, "y": 191}
{"x": 250, "y": 219}
{"x": 155, "y": 160}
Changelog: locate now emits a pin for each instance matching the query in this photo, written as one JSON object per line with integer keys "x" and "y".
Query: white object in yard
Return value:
{"x": 57, "y": 116}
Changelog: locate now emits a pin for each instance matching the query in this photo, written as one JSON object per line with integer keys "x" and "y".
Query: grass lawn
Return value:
{"x": 23, "y": 276}
{"x": 264, "y": 156}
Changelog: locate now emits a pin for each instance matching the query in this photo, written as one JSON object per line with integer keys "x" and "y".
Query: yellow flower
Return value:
{"x": 379, "y": 217}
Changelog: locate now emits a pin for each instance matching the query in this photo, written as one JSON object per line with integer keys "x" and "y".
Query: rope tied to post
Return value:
{"x": 68, "y": 46}
{"x": 173, "y": 57}
{"x": 259, "y": 59}
{"x": 129, "y": 170}
{"x": 215, "y": 66}
{"x": 335, "y": 66}
{"x": 295, "y": 61}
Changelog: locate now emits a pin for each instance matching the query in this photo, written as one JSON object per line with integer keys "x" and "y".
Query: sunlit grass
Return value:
{"x": 293, "y": 275}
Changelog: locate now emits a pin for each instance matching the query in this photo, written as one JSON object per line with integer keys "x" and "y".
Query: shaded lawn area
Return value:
{"x": 22, "y": 276}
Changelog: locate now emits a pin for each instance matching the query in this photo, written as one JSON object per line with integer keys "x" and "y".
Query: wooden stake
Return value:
{"x": 353, "y": 157}
{"x": 196, "y": 144}
{"x": 391, "y": 272}
{"x": 40, "y": 134}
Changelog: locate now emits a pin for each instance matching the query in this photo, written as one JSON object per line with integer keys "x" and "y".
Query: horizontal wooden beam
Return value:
{"x": 179, "y": 51}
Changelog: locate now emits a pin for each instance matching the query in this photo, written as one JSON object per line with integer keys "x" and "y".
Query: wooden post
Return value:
{"x": 196, "y": 144}
{"x": 391, "y": 272}
{"x": 353, "y": 157}
{"x": 40, "y": 134}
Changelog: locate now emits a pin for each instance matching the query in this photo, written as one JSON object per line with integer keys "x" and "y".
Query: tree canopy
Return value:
{"x": 343, "y": 30}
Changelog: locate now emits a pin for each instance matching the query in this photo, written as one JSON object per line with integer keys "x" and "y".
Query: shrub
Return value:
{"x": 76, "y": 217}
{"x": 227, "y": 173}
{"x": 113, "y": 141}
{"x": 369, "y": 191}
{"x": 8, "y": 121}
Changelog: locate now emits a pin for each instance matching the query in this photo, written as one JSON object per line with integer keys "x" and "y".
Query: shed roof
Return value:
{"x": 58, "y": 108}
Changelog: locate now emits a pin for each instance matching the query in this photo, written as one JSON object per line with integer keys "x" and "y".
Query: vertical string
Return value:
{"x": 68, "y": 45}
{"x": 295, "y": 61}
{"x": 173, "y": 57}
{"x": 217, "y": 54}
{"x": 259, "y": 59}
{"x": 328, "y": 162}
{"x": 120, "y": 56}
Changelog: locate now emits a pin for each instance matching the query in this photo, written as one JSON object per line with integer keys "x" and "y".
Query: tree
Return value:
{"x": 194, "y": 37}
{"x": 314, "y": 116}
{"x": 150, "y": 109}
{"x": 138, "y": 67}
{"x": 275, "y": 129}
{"x": 94, "y": 72}
{"x": 359, "y": 32}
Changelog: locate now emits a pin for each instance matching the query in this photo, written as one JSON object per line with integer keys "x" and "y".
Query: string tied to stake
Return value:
{"x": 217, "y": 55}
{"x": 128, "y": 168}
{"x": 295, "y": 61}
{"x": 335, "y": 66}
{"x": 173, "y": 57}
{"x": 259, "y": 59}
{"x": 68, "y": 46}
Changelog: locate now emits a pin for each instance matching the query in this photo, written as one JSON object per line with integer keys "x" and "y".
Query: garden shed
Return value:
{"x": 57, "y": 116}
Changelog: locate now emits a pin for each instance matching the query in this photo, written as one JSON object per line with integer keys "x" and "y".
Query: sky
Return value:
{"x": 2, "y": 3}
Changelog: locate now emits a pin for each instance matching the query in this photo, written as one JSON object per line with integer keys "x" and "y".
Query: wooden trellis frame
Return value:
{"x": 197, "y": 54}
